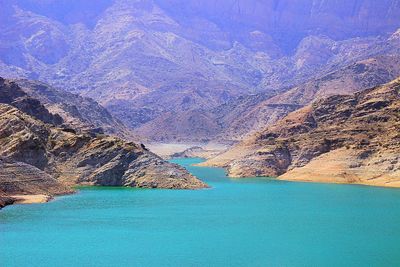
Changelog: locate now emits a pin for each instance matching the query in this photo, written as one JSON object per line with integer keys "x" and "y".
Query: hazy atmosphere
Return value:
{"x": 200, "y": 133}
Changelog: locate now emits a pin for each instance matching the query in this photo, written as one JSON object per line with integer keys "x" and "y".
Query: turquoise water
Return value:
{"x": 254, "y": 222}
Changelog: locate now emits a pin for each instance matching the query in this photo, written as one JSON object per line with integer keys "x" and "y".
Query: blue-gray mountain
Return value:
{"x": 168, "y": 67}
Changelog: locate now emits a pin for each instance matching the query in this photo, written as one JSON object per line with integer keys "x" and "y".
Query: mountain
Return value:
{"x": 360, "y": 64}
{"x": 286, "y": 22}
{"x": 12, "y": 94}
{"x": 39, "y": 157}
{"x": 342, "y": 139}
{"x": 152, "y": 61}
{"x": 252, "y": 113}
{"x": 239, "y": 117}
{"x": 76, "y": 111}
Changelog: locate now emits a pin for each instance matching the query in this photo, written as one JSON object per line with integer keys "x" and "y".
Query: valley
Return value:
{"x": 199, "y": 133}
{"x": 175, "y": 73}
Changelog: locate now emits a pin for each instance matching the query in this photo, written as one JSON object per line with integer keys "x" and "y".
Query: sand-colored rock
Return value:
{"x": 24, "y": 183}
{"x": 342, "y": 166}
{"x": 197, "y": 152}
{"x": 18, "y": 178}
{"x": 342, "y": 139}
{"x": 39, "y": 158}
{"x": 83, "y": 159}
{"x": 31, "y": 199}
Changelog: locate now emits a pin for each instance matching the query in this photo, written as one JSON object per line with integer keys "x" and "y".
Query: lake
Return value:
{"x": 246, "y": 222}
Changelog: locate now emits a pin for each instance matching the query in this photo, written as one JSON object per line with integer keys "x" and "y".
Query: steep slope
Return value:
{"x": 18, "y": 180}
{"x": 249, "y": 114}
{"x": 344, "y": 139}
{"x": 149, "y": 61}
{"x": 288, "y": 21}
{"x": 77, "y": 112}
{"x": 11, "y": 93}
{"x": 82, "y": 159}
{"x": 37, "y": 157}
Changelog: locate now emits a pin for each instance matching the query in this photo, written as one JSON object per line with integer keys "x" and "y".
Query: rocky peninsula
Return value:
{"x": 340, "y": 139}
{"x": 40, "y": 155}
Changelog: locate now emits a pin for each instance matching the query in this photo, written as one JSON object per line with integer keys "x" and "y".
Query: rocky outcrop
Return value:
{"x": 18, "y": 178}
{"x": 40, "y": 159}
{"x": 86, "y": 159}
{"x": 11, "y": 93}
{"x": 24, "y": 183}
{"x": 345, "y": 139}
{"x": 5, "y": 200}
{"x": 112, "y": 162}
{"x": 77, "y": 112}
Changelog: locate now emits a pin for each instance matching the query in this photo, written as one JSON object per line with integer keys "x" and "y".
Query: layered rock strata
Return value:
{"x": 341, "y": 139}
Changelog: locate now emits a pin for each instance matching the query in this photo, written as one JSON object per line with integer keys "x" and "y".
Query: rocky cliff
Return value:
{"x": 18, "y": 179}
{"x": 288, "y": 21}
{"x": 77, "y": 112}
{"x": 5, "y": 200}
{"x": 43, "y": 158}
{"x": 249, "y": 114}
{"x": 343, "y": 139}
{"x": 12, "y": 94}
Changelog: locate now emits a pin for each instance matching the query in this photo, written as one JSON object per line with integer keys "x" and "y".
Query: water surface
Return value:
{"x": 247, "y": 222}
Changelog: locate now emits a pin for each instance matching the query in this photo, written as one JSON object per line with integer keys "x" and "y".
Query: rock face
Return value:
{"x": 83, "y": 159}
{"x": 344, "y": 139}
{"x": 11, "y": 93}
{"x": 76, "y": 111}
{"x": 5, "y": 200}
{"x": 252, "y": 113}
{"x": 288, "y": 21}
{"x": 17, "y": 178}
{"x": 149, "y": 62}
{"x": 41, "y": 158}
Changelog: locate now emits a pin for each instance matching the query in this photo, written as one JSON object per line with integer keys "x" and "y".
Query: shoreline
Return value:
{"x": 337, "y": 182}
{"x": 20, "y": 199}
{"x": 31, "y": 199}
{"x": 43, "y": 198}
{"x": 319, "y": 179}
{"x": 315, "y": 181}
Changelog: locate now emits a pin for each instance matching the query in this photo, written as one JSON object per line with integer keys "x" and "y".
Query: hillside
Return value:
{"x": 341, "y": 139}
{"x": 249, "y": 114}
{"x": 42, "y": 158}
{"x": 77, "y": 112}
{"x": 147, "y": 62}
{"x": 285, "y": 22}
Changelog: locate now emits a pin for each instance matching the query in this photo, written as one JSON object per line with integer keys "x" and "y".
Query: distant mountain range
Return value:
{"x": 182, "y": 71}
